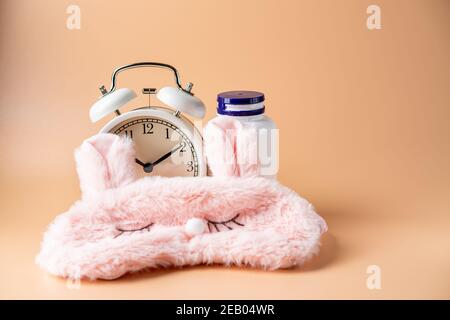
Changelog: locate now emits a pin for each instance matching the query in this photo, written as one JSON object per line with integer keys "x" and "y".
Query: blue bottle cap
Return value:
{"x": 226, "y": 101}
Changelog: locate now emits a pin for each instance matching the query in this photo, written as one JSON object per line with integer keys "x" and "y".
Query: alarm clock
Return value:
{"x": 167, "y": 143}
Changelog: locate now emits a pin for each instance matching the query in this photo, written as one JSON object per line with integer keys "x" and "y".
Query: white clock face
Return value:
{"x": 162, "y": 148}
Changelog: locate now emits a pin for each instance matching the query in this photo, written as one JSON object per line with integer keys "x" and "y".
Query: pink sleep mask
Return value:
{"x": 124, "y": 224}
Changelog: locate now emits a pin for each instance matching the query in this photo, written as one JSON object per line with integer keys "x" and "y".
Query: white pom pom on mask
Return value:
{"x": 195, "y": 226}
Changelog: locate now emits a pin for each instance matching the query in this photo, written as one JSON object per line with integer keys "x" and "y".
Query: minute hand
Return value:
{"x": 168, "y": 154}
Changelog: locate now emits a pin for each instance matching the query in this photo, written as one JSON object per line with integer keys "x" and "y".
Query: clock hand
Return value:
{"x": 168, "y": 154}
{"x": 139, "y": 162}
{"x": 148, "y": 167}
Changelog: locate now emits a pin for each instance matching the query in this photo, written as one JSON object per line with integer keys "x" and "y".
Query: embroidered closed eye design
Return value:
{"x": 121, "y": 231}
{"x": 223, "y": 225}
{"x": 213, "y": 226}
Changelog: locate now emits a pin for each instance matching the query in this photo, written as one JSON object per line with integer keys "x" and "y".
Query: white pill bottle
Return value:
{"x": 248, "y": 108}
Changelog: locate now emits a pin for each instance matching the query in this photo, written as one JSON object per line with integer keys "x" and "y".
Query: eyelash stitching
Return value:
{"x": 122, "y": 231}
{"x": 215, "y": 224}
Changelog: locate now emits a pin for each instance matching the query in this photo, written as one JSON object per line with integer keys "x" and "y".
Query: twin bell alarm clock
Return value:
{"x": 166, "y": 142}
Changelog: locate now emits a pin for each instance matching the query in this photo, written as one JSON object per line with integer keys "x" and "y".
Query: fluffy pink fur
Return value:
{"x": 232, "y": 148}
{"x": 220, "y": 147}
{"x": 280, "y": 228}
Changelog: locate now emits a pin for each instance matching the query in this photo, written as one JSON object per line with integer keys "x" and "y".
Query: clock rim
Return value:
{"x": 180, "y": 121}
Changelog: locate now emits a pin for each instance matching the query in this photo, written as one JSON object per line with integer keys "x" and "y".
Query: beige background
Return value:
{"x": 363, "y": 116}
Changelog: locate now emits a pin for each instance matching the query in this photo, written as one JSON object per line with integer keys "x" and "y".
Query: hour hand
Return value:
{"x": 148, "y": 167}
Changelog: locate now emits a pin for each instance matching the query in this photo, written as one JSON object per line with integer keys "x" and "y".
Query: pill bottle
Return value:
{"x": 248, "y": 107}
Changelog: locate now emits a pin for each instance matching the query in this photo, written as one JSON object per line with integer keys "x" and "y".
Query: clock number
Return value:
{"x": 148, "y": 128}
{"x": 167, "y": 133}
{"x": 129, "y": 134}
{"x": 183, "y": 147}
{"x": 189, "y": 166}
